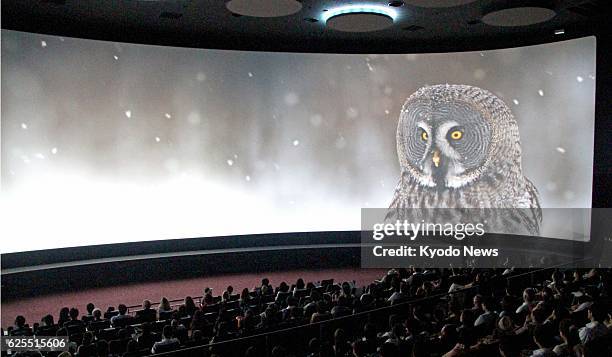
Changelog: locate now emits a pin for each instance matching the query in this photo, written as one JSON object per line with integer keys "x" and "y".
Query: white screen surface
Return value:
{"x": 110, "y": 142}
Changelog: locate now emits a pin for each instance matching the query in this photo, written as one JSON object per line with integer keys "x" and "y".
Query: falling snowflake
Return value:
{"x": 250, "y": 74}
{"x": 316, "y": 120}
{"x": 157, "y": 139}
{"x": 235, "y": 156}
{"x": 387, "y": 111}
{"x": 515, "y": 101}
{"x": 370, "y": 68}
{"x": 541, "y": 92}
{"x": 40, "y": 156}
{"x": 168, "y": 116}
{"x": 340, "y": 142}
{"x": 54, "y": 151}
{"x": 579, "y": 79}
{"x": 24, "y": 126}
{"x": 248, "y": 178}
{"x": 116, "y": 57}
{"x": 296, "y": 142}
{"x": 201, "y": 77}
{"x": 479, "y": 74}
{"x": 561, "y": 150}
{"x": 194, "y": 118}
{"x": 352, "y": 113}
{"x": 591, "y": 76}
{"x": 128, "y": 113}
{"x": 43, "y": 43}
{"x": 230, "y": 162}
{"x": 291, "y": 99}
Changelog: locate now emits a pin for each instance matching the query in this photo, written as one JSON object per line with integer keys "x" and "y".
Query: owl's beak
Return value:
{"x": 436, "y": 158}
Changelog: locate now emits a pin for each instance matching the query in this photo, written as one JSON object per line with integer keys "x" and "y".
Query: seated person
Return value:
{"x": 20, "y": 329}
{"x": 147, "y": 314}
{"x": 597, "y": 314}
{"x": 167, "y": 343}
{"x": 123, "y": 319}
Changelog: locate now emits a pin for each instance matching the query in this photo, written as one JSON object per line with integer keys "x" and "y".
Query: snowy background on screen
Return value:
{"x": 106, "y": 142}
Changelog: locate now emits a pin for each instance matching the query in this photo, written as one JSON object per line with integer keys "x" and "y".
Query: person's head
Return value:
{"x": 314, "y": 345}
{"x": 189, "y": 302}
{"x": 47, "y": 320}
{"x": 20, "y": 321}
{"x": 449, "y": 333}
{"x": 64, "y": 313}
{"x": 505, "y": 324}
{"x": 597, "y": 312}
{"x": 90, "y": 308}
{"x": 167, "y": 332}
{"x": 122, "y": 309}
{"x": 146, "y": 304}
{"x": 97, "y": 313}
{"x": 197, "y": 335}
{"x": 87, "y": 338}
{"x": 529, "y": 295}
{"x": 477, "y": 301}
{"x": 339, "y": 337}
{"x": 265, "y": 282}
{"x": 251, "y": 352}
{"x": 488, "y": 304}
{"x": 557, "y": 276}
{"x": 74, "y": 313}
{"x": 208, "y": 299}
{"x": 244, "y": 295}
{"x": 299, "y": 284}
{"x": 164, "y": 304}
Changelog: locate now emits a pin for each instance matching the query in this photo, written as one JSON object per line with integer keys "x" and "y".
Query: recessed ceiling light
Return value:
{"x": 359, "y": 18}
{"x": 264, "y": 8}
{"x": 518, "y": 16}
{"x": 360, "y": 9}
{"x": 438, "y": 3}
{"x": 559, "y": 32}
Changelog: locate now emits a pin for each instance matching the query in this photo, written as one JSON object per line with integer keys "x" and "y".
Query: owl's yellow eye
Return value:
{"x": 424, "y": 135}
{"x": 456, "y": 135}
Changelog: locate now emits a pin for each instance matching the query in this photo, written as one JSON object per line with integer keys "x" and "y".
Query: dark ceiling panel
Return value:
{"x": 209, "y": 24}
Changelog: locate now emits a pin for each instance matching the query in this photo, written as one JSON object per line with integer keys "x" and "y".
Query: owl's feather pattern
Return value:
{"x": 498, "y": 183}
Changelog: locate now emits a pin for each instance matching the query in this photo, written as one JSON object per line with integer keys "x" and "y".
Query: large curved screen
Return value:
{"x": 111, "y": 142}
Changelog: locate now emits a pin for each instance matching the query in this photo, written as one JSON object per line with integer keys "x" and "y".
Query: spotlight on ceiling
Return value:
{"x": 359, "y": 18}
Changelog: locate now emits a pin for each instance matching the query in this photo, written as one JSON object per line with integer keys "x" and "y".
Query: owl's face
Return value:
{"x": 445, "y": 143}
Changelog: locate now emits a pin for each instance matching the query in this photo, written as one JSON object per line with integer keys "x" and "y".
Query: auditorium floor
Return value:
{"x": 36, "y": 307}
